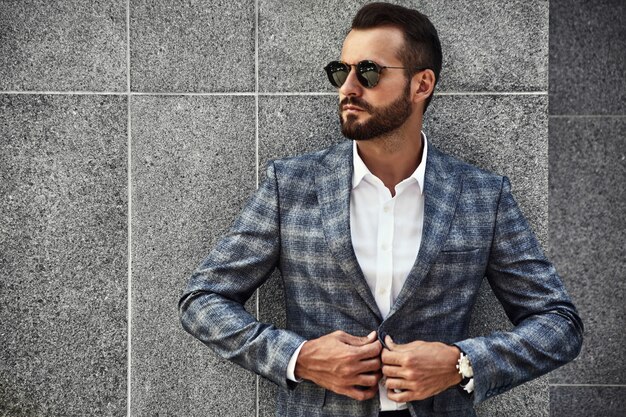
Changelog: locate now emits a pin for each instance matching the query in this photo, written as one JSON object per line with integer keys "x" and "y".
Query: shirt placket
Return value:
{"x": 384, "y": 264}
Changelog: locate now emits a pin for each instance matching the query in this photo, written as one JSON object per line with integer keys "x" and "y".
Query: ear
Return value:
{"x": 422, "y": 85}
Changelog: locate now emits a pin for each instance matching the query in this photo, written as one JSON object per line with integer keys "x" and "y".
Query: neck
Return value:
{"x": 395, "y": 156}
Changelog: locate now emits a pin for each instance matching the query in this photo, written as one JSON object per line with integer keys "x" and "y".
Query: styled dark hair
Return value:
{"x": 421, "y": 42}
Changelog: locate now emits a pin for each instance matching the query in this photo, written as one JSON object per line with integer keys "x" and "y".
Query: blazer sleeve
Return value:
{"x": 211, "y": 307}
{"x": 548, "y": 331}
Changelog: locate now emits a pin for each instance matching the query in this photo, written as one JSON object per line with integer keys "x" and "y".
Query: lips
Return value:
{"x": 350, "y": 107}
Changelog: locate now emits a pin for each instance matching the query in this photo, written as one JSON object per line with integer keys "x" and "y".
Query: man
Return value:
{"x": 382, "y": 244}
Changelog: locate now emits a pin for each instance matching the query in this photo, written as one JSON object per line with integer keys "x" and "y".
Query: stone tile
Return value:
{"x": 63, "y": 257}
{"x": 487, "y": 46}
{"x": 193, "y": 166}
{"x": 527, "y": 400}
{"x": 63, "y": 45}
{"x": 587, "y": 232}
{"x": 192, "y": 47}
{"x": 293, "y": 125}
{"x": 568, "y": 401}
{"x": 587, "y": 60}
{"x": 489, "y": 131}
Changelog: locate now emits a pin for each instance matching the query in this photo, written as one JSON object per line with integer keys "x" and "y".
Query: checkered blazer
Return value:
{"x": 299, "y": 221}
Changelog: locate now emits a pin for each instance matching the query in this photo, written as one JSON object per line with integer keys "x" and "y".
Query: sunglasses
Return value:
{"x": 367, "y": 72}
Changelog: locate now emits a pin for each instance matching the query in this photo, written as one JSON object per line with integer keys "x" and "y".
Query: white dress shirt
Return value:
{"x": 386, "y": 235}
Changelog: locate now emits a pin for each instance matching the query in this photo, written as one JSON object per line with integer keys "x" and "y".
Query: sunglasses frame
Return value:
{"x": 359, "y": 74}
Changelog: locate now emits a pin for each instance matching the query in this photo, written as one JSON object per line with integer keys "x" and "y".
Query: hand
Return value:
{"x": 419, "y": 369}
{"x": 345, "y": 364}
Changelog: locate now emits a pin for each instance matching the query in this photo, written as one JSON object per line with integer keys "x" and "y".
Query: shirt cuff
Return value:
{"x": 291, "y": 367}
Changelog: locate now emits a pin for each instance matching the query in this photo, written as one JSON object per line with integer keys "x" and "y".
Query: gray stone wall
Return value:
{"x": 587, "y": 130}
{"x": 131, "y": 133}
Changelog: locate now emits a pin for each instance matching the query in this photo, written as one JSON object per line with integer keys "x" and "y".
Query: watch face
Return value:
{"x": 465, "y": 367}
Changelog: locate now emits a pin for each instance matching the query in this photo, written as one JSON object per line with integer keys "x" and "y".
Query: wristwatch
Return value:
{"x": 465, "y": 369}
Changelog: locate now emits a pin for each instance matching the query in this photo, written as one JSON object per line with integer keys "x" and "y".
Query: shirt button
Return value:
{"x": 382, "y": 291}
{"x": 387, "y": 209}
{"x": 384, "y": 246}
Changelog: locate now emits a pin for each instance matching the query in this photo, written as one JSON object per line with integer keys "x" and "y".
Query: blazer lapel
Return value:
{"x": 334, "y": 183}
{"x": 441, "y": 192}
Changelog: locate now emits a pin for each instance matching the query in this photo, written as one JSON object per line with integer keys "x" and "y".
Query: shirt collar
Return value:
{"x": 361, "y": 170}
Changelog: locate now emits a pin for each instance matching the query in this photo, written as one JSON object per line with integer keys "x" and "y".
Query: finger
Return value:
{"x": 367, "y": 380}
{"x": 369, "y": 365}
{"x": 358, "y": 340}
{"x": 389, "y": 342}
{"x": 361, "y": 394}
{"x": 371, "y": 350}
{"x": 371, "y": 337}
{"x": 393, "y": 371}
{"x": 398, "y": 347}
{"x": 392, "y": 358}
{"x": 394, "y": 383}
{"x": 401, "y": 396}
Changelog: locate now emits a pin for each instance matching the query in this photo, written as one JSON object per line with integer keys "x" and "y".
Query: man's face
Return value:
{"x": 381, "y": 120}
{"x": 366, "y": 113}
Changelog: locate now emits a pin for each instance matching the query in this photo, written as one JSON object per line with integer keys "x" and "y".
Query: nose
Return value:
{"x": 352, "y": 86}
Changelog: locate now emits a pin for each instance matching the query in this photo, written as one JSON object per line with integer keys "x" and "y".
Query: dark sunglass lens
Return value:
{"x": 337, "y": 73}
{"x": 339, "y": 77}
{"x": 368, "y": 73}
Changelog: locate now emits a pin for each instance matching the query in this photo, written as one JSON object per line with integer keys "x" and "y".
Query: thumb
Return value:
{"x": 361, "y": 340}
{"x": 390, "y": 343}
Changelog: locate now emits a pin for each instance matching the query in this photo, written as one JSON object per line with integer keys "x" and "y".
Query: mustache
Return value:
{"x": 355, "y": 101}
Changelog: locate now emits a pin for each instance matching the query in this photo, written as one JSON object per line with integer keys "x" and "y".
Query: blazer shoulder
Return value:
{"x": 472, "y": 175}
{"x": 306, "y": 164}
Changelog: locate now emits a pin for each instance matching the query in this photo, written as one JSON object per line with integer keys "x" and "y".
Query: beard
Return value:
{"x": 382, "y": 121}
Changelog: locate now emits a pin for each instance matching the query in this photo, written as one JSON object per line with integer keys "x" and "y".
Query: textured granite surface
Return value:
{"x": 193, "y": 165}
{"x": 295, "y": 125}
{"x": 587, "y": 57}
{"x": 63, "y": 256}
{"x": 192, "y": 46}
{"x": 489, "y": 131}
{"x": 587, "y": 234}
{"x": 567, "y": 401}
{"x": 487, "y": 46}
{"x": 63, "y": 45}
